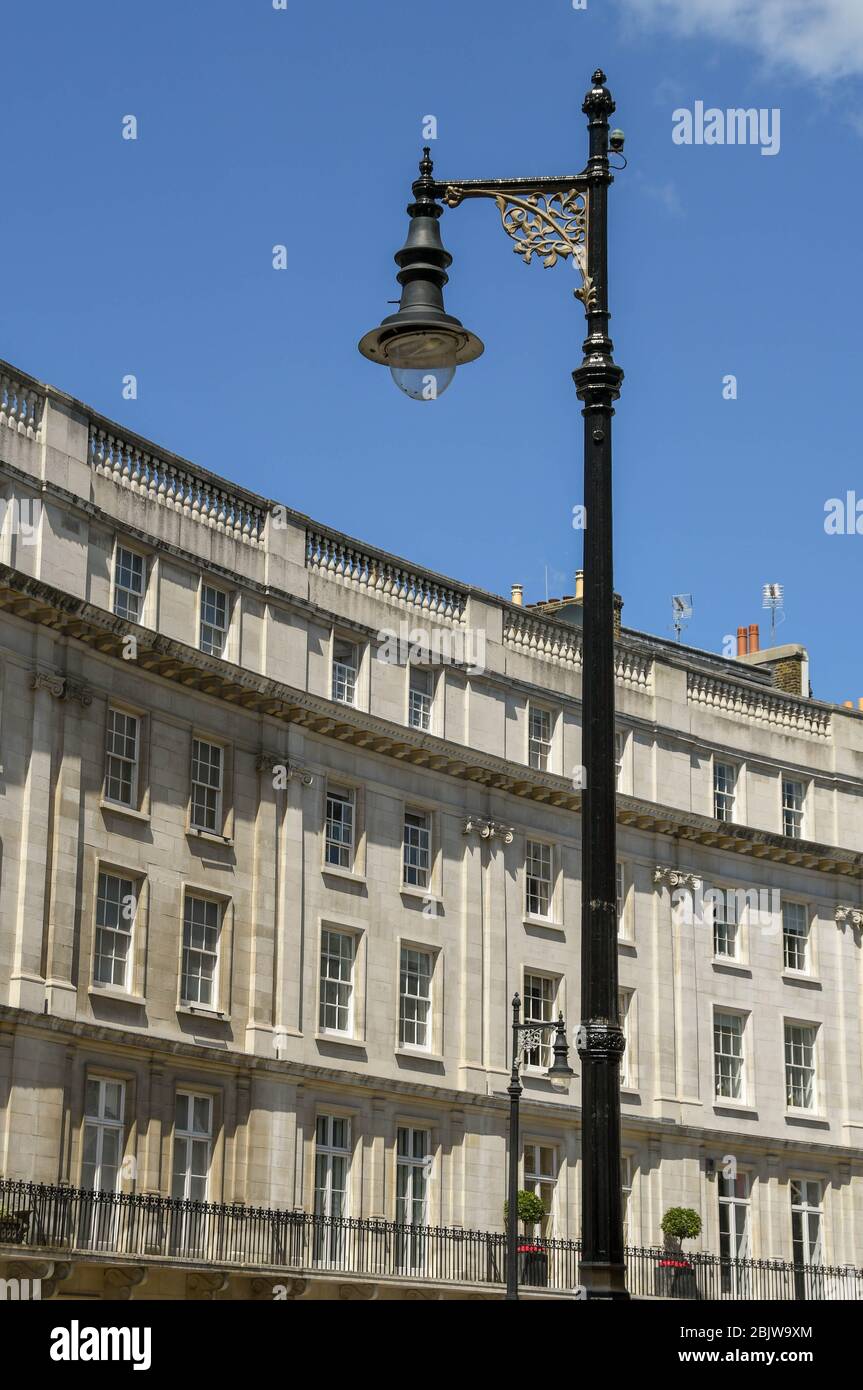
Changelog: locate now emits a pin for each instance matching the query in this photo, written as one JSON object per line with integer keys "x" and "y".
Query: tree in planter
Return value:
{"x": 530, "y": 1211}
{"x": 679, "y": 1224}
{"x": 532, "y": 1259}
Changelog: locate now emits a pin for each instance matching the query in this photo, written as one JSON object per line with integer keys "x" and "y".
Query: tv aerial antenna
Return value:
{"x": 681, "y": 612}
{"x": 773, "y": 598}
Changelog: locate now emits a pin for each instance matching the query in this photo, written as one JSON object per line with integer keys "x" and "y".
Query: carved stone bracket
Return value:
{"x": 489, "y": 829}
{"x": 47, "y": 680}
{"x": 204, "y": 1287}
{"x": 365, "y": 1293}
{"x": 275, "y": 764}
{"x": 675, "y": 878}
{"x": 849, "y": 916}
{"x": 122, "y": 1280}
{"x": 76, "y": 690}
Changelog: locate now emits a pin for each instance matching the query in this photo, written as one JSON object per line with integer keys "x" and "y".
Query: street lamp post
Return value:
{"x": 553, "y": 219}
{"x": 526, "y": 1037}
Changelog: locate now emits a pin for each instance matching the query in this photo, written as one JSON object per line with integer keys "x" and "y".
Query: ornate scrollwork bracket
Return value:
{"x": 489, "y": 829}
{"x": 548, "y": 223}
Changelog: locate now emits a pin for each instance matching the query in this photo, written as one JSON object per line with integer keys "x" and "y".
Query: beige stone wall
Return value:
{"x": 259, "y": 1053}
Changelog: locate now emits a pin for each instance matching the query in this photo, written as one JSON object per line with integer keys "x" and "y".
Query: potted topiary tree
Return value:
{"x": 675, "y": 1276}
{"x": 532, "y": 1259}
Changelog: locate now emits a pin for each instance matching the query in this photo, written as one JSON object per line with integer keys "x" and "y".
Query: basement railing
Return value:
{"x": 35, "y": 1217}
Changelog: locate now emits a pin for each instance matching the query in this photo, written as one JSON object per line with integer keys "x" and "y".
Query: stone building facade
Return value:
{"x": 270, "y": 879}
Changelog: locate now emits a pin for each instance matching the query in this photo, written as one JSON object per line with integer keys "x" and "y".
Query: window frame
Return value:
{"x": 550, "y": 849}
{"x": 814, "y": 1067}
{"x": 742, "y": 1098}
{"x": 535, "y": 707}
{"x": 340, "y": 639}
{"x": 539, "y": 1059}
{"x": 191, "y": 893}
{"x": 134, "y": 801}
{"x": 226, "y": 596}
{"x": 787, "y": 811}
{"x": 807, "y": 969}
{"x": 352, "y": 1031}
{"x": 725, "y": 798}
{"x": 534, "y": 1180}
{"x": 338, "y": 791}
{"x": 414, "y": 668}
{"x": 136, "y": 880}
{"x": 219, "y": 828}
{"x": 118, "y": 588}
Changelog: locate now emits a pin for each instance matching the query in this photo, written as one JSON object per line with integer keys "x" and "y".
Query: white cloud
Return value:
{"x": 817, "y": 38}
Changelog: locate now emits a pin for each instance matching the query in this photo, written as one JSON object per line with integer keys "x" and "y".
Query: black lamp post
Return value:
{"x": 525, "y": 1038}
{"x": 554, "y": 218}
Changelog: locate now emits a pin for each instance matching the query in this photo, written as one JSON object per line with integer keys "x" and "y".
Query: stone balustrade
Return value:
{"x": 383, "y": 576}
{"x": 560, "y": 643}
{"x": 22, "y": 406}
{"x": 169, "y": 484}
{"x": 766, "y": 706}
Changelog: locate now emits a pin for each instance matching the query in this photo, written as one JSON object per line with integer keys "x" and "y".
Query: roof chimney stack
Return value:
{"x": 753, "y": 638}
{"x": 518, "y": 595}
{"x": 742, "y": 641}
{"x": 579, "y": 586}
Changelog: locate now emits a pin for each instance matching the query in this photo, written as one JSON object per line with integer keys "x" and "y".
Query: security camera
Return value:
{"x": 615, "y": 141}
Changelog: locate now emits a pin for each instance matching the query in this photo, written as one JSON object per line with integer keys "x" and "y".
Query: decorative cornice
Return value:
{"x": 488, "y": 829}
{"x": 72, "y": 617}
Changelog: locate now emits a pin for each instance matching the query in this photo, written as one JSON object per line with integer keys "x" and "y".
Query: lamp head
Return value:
{"x": 422, "y": 344}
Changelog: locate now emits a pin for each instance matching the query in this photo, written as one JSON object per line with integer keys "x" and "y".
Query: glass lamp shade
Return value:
{"x": 422, "y": 364}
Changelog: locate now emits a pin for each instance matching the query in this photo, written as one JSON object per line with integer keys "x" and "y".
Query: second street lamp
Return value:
{"x": 553, "y": 219}
{"x": 526, "y": 1037}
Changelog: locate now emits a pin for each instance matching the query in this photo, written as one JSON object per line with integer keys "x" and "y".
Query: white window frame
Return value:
{"x": 542, "y": 1185}
{"x": 738, "y": 1244}
{"x": 412, "y": 1171}
{"x": 417, "y": 849}
{"x": 626, "y": 1009}
{"x": 139, "y": 595}
{"x": 125, "y": 914}
{"x": 539, "y": 746}
{"x": 206, "y": 627}
{"x": 540, "y": 1006}
{"x": 623, "y": 888}
{"x": 189, "y": 1136}
{"x": 413, "y": 1001}
{"x": 338, "y": 793}
{"x": 721, "y": 925}
{"x": 198, "y": 762}
{"x": 735, "y": 1078}
{"x": 326, "y": 956}
{"x": 793, "y": 816}
{"x": 122, "y": 758}
{"x": 99, "y": 1121}
{"x": 330, "y": 1151}
{"x": 539, "y": 870}
{"x": 420, "y": 702}
{"x": 725, "y": 790}
{"x": 803, "y": 1208}
{"x": 795, "y": 937}
{"x": 793, "y": 1063}
{"x": 203, "y": 952}
{"x": 345, "y": 676}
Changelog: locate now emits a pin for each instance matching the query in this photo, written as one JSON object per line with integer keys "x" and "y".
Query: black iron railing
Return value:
{"x": 38, "y": 1216}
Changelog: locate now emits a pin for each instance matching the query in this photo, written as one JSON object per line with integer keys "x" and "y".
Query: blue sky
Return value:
{"x": 303, "y": 127}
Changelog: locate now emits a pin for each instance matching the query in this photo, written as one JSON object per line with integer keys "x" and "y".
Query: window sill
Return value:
{"x": 348, "y": 874}
{"x": 807, "y": 1117}
{"x": 419, "y": 1054}
{"x": 345, "y": 1039}
{"x": 122, "y": 996}
{"x": 734, "y": 967}
{"x": 199, "y": 1011}
{"x": 122, "y": 810}
{"x": 546, "y": 922}
{"x": 739, "y": 1107}
{"x": 210, "y": 836}
{"x": 425, "y": 895}
{"x": 627, "y": 942}
{"x": 801, "y": 977}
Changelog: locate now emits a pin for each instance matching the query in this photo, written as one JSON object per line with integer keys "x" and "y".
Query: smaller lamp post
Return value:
{"x": 525, "y": 1038}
